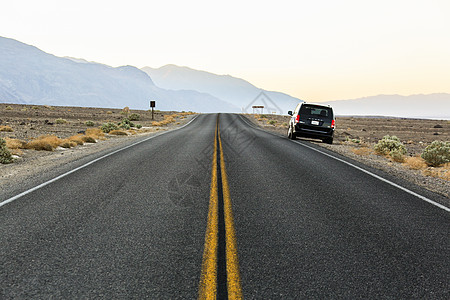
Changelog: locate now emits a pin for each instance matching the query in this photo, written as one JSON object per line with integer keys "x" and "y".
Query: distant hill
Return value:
{"x": 435, "y": 106}
{"x": 31, "y": 76}
{"x": 233, "y": 90}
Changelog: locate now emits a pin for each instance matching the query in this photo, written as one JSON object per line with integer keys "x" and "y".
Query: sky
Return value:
{"x": 315, "y": 50}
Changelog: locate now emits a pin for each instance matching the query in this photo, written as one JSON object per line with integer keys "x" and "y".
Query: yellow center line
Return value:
{"x": 208, "y": 279}
{"x": 233, "y": 275}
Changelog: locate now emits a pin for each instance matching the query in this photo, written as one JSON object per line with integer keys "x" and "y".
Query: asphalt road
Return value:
{"x": 223, "y": 209}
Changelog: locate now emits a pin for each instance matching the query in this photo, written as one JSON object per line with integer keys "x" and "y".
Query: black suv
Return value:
{"x": 313, "y": 121}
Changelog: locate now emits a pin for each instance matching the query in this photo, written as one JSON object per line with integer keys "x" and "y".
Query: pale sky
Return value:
{"x": 316, "y": 50}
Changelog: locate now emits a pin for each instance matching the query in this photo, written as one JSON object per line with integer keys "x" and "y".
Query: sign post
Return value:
{"x": 152, "y": 105}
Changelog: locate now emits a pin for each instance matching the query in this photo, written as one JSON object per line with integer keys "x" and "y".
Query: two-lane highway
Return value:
{"x": 219, "y": 208}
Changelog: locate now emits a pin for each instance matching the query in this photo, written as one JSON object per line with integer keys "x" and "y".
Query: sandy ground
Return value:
{"x": 355, "y": 138}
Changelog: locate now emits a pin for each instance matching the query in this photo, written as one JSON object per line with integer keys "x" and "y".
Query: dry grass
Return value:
{"x": 14, "y": 146}
{"x": 66, "y": 143}
{"x": 15, "y": 143}
{"x": 167, "y": 120}
{"x": 96, "y": 133}
{"x": 441, "y": 172}
{"x": 118, "y": 132}
{"x": 46, "y": 142}
{"x": 363, "y": 151}
{"x": 88, "y": 139}
{"x": 77, "y": 139}
{"x": 415, "y": 163}
{"x": 6, "y": 128}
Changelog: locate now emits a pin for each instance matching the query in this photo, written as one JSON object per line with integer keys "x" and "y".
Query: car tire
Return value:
{"x": 328, "y": 140}
{"x": 291, "y": 134}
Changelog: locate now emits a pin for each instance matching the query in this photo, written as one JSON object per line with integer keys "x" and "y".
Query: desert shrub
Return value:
{"x": 138, "y": 126}
{"x": 109, "y": 112}
{"x": 88, "y": 139}
{"x": 5, "y": 154}
{"x": 397, "y": 155}
{"x": 8, "y": 108}
{"x": 356, "y": 141}
{"x": 437, "y": 153}
{"x": 415, "y": 163}
{"x": 108, "y": 127}
{"x": 45, "y": 142}
{"x": 271, "y": 122}
{"x": 262, "y": 116}
{"x": 96, "y": 133}
{"x": 134, "y": 117}
{"x": 388, "y": 144}
{"x": 125, "y": 111}
{"x": 14, "y": 144}
{"x": 77, "y": 139}
{"x": 124, "y": 126}
{"x": 60, "y": 121}
{"x": 118, "y": 132}
{"x": 66, "y": 143}
{"x": 6, "y": 128}
{"x": 89, "y": 123}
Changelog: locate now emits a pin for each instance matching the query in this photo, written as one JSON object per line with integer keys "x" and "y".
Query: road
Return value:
{"x": 219, "y": 208}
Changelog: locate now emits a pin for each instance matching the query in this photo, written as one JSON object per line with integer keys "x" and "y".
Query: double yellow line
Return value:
{"x": 208, "y": 288}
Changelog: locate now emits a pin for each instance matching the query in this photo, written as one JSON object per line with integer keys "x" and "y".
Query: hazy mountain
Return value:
{"x": 435, "y": 106}
{"x": 31, "y": 76}
{"x": 230, "y": 89}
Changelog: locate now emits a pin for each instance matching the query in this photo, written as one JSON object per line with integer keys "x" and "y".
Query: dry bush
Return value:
{"x": 362, "y": 151}
{"x": 6, "y": 128}
{"x": 76, "y": 139}
{"x": 167, "y": 120}
{"x": 45, "y": 142}
{"x": 15, "y": 143}
{"x": 66, "y": 143}
{"x": 442, "y": 172}
{"x": 96, "y": 133}
{"x": 118, "y": 132}
{"x": 60, "y": 121}
{"x": 88, "y": 139}
{"x": 415, "y": 163}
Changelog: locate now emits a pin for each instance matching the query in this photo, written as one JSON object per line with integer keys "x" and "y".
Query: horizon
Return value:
{"x": 319, "y": 52}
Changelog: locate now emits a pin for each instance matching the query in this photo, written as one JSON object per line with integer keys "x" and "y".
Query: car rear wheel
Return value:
{"x": 291, "y": 134}
{"x": 328, "y": 140}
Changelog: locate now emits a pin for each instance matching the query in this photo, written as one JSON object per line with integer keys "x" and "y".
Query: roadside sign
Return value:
{"x": 152, "y": 105}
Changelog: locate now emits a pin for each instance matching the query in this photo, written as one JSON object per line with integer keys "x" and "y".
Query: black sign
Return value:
{"x": 152, "y": 103}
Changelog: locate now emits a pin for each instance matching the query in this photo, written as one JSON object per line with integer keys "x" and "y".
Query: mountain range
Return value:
{"x": 233, "y": 90}
{"x": 31, "y": 76}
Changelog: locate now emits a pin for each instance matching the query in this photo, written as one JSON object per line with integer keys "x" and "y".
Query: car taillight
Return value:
{"x": 333, "y": 123}
{"x": 297, "y": 119}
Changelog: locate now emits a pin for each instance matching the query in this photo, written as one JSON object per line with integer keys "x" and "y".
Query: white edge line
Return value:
{"x": 85, "y": 165}
{"x": 370, "y": 173}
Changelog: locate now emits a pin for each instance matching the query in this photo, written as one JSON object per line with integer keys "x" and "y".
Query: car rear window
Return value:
{"x": 316, "y": 111}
